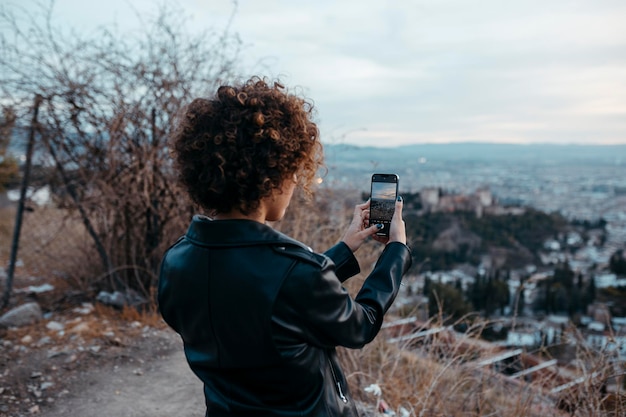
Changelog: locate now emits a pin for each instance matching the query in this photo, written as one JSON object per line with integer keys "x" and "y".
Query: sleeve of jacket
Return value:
{"x": 313, "y": 305}
{"x": 346, "y": 265}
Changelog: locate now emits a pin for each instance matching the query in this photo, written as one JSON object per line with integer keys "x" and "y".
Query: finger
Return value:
{"x": 363, "y": 206}
{"x": 367, "y": 231}
{"x": 399, "y": 206}
{"x": 358, "y": 209}
{"x": 370, "y": 230}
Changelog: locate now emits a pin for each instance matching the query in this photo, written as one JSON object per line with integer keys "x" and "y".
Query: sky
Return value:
{"x": 387, "y": 73}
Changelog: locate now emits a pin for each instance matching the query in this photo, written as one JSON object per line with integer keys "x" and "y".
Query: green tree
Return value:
{"x": 448, "y": 300}
{"x": 617, "y": 262}
{"x": 427, "y": 286}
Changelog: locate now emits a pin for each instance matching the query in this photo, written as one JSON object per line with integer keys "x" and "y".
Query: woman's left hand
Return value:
{"x": 358, "y": 230}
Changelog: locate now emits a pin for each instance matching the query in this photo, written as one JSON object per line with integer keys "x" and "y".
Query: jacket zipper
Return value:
{"x": 337, "y": 382}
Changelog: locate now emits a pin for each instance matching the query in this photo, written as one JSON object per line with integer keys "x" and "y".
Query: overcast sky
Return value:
{"x": 396, "y": 72}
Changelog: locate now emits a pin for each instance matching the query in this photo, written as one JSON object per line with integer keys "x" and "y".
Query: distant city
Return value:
{"x": 580, "y": 182}
{"x": 551, "y": 177}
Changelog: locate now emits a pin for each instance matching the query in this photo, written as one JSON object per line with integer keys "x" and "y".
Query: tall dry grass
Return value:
{"x": 436, "y": 375}
{"x": 441, "y": 374}
{"x": 53, "y": 244}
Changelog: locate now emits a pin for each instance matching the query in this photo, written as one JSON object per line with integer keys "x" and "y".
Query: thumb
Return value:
{"x": 370, "y": 230}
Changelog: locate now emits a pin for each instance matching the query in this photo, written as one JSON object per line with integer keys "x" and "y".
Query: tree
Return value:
{"x": 617, "y": 262}
{"x": 108, "y": 105}
{"x": 448, "y": 300}
{"x": 520, "y": 298}
{"x": 427, "y": 286}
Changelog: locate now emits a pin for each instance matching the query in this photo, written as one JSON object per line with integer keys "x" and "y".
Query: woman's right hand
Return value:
{"x": 397, "y": 229}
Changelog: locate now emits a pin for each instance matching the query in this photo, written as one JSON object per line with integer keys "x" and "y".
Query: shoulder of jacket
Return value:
{"x": 180, "y": 239}
{"x": 300, "y": 252}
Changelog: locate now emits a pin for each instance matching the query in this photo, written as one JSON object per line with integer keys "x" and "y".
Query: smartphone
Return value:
{"x": 383, "y": 201}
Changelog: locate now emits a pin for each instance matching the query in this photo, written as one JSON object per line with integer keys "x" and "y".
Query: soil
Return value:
{"x": 103, "y": 362}
{"x": 152, "y": 380}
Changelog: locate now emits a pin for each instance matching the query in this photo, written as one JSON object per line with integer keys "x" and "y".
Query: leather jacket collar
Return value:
{"x": 206, "y": 232}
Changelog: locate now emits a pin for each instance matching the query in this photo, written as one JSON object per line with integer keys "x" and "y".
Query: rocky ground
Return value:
{"x": 94, "y": 360}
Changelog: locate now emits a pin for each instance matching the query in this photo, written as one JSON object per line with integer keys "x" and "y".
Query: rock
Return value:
{"x": 22, "y": 315}
{"x": 52, "y": 353}
{"x": 80, "y": 328}
{"x": 86, "y": 308}
{"x": 44, "y": 386}
{"x": 35, "y": 289}
{"x": 44, "y": 341}
{"x": 26, "y": 340}
{"x": 115, "y": 299}
{"x": 118, "y": 299}
{"x": 55, "y": 325}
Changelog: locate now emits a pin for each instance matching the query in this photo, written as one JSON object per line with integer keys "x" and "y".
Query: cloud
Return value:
{"x": 432, "y": 70}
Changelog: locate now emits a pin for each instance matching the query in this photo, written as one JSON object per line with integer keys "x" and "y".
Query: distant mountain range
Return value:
{"x": 550, "y": 177}
{"x": 612, "y": 154}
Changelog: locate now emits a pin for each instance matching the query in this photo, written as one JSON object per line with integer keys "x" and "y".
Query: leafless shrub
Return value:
{"x": 108, "y": 104}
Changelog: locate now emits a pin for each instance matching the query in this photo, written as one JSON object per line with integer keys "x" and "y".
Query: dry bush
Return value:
{"x": 439, "y": 376}
{"x": 107, "y": 101}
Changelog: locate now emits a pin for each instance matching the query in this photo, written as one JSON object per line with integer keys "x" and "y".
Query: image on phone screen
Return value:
{"x": 382, "y": 203}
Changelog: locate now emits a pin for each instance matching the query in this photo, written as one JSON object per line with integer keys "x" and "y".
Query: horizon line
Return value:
{"x": 520, "y": 144}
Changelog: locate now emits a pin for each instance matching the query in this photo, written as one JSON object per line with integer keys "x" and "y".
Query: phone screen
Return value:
{"x": 383, "y": 200}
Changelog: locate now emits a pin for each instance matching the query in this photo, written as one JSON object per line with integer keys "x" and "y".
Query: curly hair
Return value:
{"x": 235, "y": 149}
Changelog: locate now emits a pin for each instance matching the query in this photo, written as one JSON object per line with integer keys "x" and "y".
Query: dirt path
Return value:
{"x": 157, "y": 386}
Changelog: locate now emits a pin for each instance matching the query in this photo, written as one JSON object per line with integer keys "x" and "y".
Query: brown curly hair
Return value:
{"x": 234, "y": 149}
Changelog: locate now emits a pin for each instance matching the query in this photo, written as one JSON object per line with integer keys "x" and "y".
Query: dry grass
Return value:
{"x": 7, "y": 221}
{"x": 52, "y": 243}
{"x": 434, "y": 376}
{"x": 439, "y": 376}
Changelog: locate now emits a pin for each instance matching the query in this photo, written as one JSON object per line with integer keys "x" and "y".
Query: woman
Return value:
{"x": 259, "y": 313}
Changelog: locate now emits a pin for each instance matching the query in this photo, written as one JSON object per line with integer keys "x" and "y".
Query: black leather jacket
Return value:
{"x": 260, "y": 315}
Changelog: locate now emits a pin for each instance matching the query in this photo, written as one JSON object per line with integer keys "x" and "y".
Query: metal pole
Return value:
{"x": 20, "y": 208}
